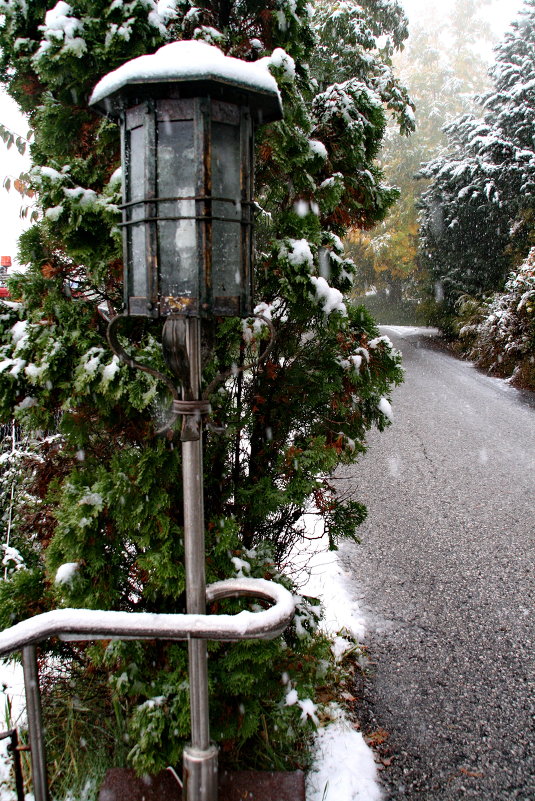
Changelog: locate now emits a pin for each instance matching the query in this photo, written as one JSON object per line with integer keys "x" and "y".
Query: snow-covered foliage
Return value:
{"x": 22, "y": 458}
{"x": 356, "y": 42}
{"x": 61, "y": 29}
{"x": 478, "y": 212}
{"x": 501, "y": 338}
{"x": 107, "y": 495}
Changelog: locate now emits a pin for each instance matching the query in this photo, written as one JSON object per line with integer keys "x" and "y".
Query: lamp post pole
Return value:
{"x": 200, "y": 757}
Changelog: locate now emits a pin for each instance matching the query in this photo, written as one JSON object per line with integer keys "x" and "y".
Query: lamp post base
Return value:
{"x": 200, "y": 774}
{"x": 121, "y": 784}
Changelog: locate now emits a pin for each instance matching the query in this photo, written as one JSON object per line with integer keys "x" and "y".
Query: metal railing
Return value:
{"x": 90, "y": 624}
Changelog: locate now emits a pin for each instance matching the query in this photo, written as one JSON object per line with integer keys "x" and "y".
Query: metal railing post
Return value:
{"x": 14, "y": 749}
{"x": 35, "y": 723}
{"x": 200, "y": 758}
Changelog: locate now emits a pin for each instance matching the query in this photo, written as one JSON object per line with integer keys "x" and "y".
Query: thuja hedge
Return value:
{"x": 93, "y": 485}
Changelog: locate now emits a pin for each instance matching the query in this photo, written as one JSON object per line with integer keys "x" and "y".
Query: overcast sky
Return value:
{"x": 11, "y": 164}
{"x": 500, "y": 14}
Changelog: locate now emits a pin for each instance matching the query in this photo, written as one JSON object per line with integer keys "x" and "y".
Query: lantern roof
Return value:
{"x": 193, "y": 67}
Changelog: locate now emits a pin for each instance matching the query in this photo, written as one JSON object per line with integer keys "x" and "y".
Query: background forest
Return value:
{"x": 477, "y": 215}
{"x": 453, "y": 250}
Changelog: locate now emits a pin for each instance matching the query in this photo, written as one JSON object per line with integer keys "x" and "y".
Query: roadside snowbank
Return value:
{"x": 344, "y": 768}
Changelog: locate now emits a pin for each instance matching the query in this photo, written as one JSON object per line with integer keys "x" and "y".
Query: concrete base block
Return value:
{"x": 121, "y": 784}
{"x": 256, "y": 785}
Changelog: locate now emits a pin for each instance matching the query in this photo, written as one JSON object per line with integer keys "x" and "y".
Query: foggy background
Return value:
{"x": 425, "y": 13}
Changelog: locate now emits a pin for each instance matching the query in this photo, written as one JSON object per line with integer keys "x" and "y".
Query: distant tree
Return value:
{"x": 442, "y": 68}
{"x": 469, "y": 31}
{"x": 478, "y": 211}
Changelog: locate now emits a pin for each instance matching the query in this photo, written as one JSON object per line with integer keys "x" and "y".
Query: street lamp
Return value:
{"x": 187, "y": 115}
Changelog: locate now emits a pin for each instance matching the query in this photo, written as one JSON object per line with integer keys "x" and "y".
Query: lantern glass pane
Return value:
{"x": 136, "y": 191}
{"x": 226, "y": 191}
{"x": 177, "y": 237}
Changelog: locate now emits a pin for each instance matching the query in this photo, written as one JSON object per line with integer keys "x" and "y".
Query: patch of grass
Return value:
{"x": 84, "y": 730}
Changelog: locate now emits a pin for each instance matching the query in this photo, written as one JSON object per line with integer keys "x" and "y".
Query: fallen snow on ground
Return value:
{"x": 12, "y": 686}
{"x": 322, "y": 576}
{"x": 343, "y": 768}
{"x": 409, "y": 330}
{"x": 12, "y": 705}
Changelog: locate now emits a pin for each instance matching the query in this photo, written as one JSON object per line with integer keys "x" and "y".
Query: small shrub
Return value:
{"x": 500, "y": 333}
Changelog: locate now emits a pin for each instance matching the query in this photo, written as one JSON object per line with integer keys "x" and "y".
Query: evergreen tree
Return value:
{"x": 101, "y": 491}
{"x": 477, "y": 214}
{"x": 442, "y": 78}
{"x": 347, "y": 50}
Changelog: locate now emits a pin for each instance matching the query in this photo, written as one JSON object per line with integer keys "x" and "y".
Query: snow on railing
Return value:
{"x": 91, "y": 624}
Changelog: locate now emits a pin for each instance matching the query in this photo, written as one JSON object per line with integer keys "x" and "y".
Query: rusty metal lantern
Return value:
{"x": 187, "y": 116}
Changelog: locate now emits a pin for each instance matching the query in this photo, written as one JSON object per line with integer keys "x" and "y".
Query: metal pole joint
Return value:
{"x": 200, "y": 773}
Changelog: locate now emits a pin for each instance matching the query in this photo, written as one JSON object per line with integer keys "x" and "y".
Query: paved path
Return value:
{"x": 446, "y": 576}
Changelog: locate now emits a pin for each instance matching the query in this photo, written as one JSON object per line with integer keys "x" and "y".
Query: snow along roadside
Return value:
{"x": 343, "y": 767}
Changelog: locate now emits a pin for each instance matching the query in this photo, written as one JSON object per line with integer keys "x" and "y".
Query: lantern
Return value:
{"x": 187, "y": 115}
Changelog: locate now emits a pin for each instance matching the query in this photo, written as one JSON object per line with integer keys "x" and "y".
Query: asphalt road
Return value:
{"x": 445, "y": 575}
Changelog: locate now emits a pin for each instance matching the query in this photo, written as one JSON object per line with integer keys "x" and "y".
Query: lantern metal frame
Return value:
{"x": 156, "y": 211}
{"x": 217, "y": 112}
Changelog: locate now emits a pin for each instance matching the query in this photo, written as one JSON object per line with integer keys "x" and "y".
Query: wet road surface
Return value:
{"x": 445, "y": 575}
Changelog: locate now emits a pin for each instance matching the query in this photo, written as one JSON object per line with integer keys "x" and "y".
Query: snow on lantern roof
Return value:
{"x": 195, "y": 66}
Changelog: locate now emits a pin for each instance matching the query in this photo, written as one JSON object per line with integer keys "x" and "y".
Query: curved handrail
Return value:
{"x": 91, "y": 624}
